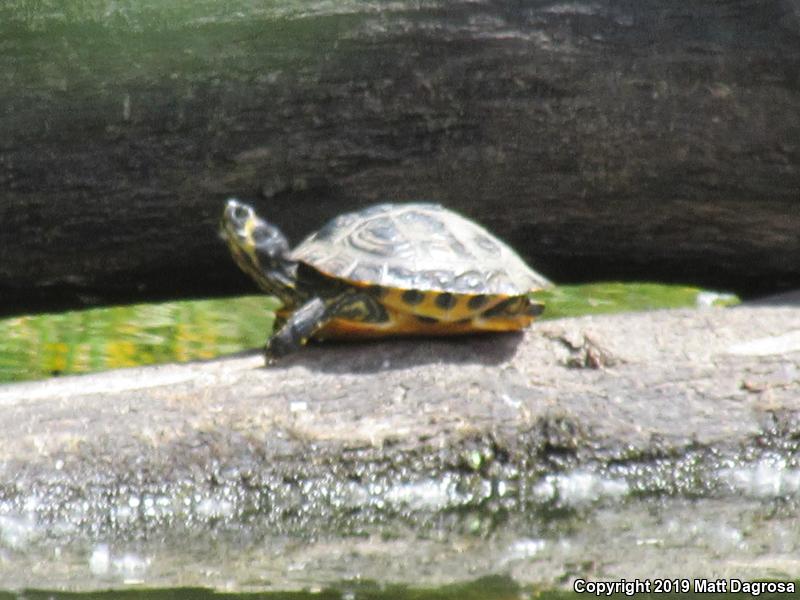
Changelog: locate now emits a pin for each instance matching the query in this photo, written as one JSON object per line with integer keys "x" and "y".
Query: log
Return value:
{"x": 544, "y": 456}
{"x": 649, "y": 140}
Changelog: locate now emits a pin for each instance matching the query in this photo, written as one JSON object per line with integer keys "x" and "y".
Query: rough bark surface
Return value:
{"x": 591, "y": 434}
{"x": 650, "y": 140}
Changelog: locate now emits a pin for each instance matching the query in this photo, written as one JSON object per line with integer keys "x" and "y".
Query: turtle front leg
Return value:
{"x": 294, "y": 333}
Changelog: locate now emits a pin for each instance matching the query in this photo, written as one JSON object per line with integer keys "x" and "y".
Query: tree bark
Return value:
{"x": 583, "y": 434}
{"x": 648, "y": 140}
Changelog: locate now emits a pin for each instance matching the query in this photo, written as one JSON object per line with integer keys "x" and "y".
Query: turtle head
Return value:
{"x": 260, "y": 250}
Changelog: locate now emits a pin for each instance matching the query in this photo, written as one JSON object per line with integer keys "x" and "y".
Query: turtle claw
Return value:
{"x": 269, "y": 359}
{"x": 276, "y": 349}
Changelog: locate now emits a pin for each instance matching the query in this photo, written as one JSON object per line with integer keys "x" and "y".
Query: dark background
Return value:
{"x": 629, "y": 140}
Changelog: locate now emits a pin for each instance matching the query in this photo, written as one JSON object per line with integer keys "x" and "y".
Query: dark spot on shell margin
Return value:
{"x": 446, "y": 301}
{"x": 378, "y": 291}
{"x": 477, "y": 302}
{"x": 413, "y": 297}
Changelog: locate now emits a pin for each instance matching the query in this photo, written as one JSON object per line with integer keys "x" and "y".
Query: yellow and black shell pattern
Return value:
{"x": 433, "y": 270}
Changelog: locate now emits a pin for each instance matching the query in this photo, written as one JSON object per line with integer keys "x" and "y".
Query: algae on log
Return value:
{"x": 650, "y": 140}
{"x": 357, "y": 449}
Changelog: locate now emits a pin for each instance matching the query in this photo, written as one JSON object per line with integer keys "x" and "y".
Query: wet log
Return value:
{"x": 542, "y": 455}
{"x": 647, "y": 140}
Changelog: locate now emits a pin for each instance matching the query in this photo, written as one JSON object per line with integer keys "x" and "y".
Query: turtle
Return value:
{"x": 392, "y": 269}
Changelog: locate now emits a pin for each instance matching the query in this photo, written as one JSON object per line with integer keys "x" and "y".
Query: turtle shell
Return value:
{"x": 417, "y": 246}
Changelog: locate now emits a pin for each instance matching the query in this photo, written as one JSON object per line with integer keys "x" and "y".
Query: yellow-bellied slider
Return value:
{"x": 390, "y": 269}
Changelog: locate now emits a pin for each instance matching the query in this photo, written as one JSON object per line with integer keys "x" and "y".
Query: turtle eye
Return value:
{"x": 241, "y": 213}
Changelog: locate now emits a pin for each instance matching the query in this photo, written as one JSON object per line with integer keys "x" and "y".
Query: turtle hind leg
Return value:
{"x": 301, "y": 325}
{"x": 509, "y": 315}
